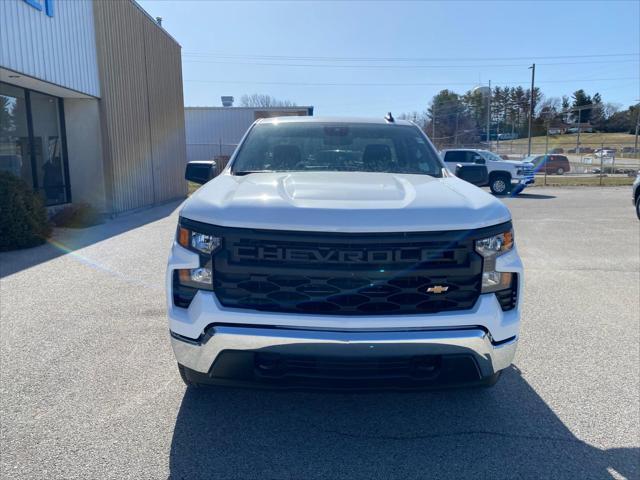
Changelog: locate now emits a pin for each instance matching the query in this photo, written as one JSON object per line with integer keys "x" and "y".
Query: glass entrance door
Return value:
{"x": 32, "y": 143}
{"x": 47, "y": 147}
{"x": 14, "y": 134}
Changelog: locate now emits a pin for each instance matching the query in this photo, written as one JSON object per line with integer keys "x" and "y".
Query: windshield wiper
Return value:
{"x": 247, "y": 172}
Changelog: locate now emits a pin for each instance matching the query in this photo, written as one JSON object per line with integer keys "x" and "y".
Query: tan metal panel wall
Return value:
{"x": 141, "y": 107}
{"x": 166, "y": 111}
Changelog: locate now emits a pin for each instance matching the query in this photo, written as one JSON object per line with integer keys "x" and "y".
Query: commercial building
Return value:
{"x": 214, "y": 132}
{"x": 91, "y": 104}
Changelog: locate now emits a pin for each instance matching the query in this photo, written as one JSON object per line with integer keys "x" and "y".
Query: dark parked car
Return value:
{"x": 552, "y": 163}
{"x": 557, "y": 150}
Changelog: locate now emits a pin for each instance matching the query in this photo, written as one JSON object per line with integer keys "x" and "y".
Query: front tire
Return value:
{"x": 638, "y": 206}
{"x": 560, "y": 171}
{"x": 500, "y": 185}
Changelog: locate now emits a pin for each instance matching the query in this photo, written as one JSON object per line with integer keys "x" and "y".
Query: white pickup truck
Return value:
{"x": 505, "y": 176}
{"x": 342, "y": 253}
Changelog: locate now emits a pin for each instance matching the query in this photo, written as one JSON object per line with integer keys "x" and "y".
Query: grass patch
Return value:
{"x": 567, "y": 141}
{"x": 568, "y": 181}
{"x": 192, "y": 187}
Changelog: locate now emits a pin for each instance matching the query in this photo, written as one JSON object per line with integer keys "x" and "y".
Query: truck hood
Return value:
{"x": 344, "y": 202}
{"x": 518, "y": 163}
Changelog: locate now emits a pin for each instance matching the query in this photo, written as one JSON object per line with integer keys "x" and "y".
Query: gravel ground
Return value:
{"x": 89, "y": 387}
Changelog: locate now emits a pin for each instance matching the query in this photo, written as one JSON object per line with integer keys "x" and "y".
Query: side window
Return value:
{"x": 455, "y": 157}
{"x": 473, "y": 156}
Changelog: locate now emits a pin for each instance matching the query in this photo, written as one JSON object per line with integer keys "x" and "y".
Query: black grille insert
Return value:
{"x": 347, "y": 274}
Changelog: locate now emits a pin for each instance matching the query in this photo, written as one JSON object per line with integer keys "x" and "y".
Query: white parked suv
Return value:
{"x": 505, "y": 176}
{"x": 342, "y": 253}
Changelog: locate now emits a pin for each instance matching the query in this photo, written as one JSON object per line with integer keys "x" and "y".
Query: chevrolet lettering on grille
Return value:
{"x": 330, "y": 255}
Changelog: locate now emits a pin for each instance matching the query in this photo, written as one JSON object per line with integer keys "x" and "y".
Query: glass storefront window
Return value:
{"x": 14, "y": 134}
{"x": 33, "y": 150}
{"x": 47, "y": 145}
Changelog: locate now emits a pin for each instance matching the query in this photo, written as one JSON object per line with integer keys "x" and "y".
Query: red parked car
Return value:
{"x": 558, "y": 164}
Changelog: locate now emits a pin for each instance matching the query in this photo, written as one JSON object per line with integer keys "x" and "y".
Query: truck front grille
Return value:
{"x": 348, "y": 274}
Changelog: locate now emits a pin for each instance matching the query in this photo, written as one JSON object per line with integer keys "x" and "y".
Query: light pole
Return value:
{"x": 533, "y": 77}
{"x": 635, "y": 148}
{"x": 489, "y": 115}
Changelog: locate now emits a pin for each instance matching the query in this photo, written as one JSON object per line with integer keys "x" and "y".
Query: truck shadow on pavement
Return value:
{"x": 504, "y": 432}
{"x": 67, "y": 240}
{"x": 534, "y": 196}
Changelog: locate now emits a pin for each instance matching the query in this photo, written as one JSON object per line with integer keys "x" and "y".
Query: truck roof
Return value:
{"x": 346, "y": 120}
{"x": 465, "y": 150}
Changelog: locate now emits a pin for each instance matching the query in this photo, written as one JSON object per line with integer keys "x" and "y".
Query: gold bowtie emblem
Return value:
{"x": 437, "y": 289}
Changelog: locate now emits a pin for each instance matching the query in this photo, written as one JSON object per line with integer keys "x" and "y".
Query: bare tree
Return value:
{"x": 264, "y": 100}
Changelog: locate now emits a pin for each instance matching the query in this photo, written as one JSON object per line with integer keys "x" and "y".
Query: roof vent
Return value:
{"x": 159, "y": 20}
{"x": 227, "y": 101}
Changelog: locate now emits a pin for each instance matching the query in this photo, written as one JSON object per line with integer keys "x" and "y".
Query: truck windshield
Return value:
{"x": 492, "y": 156}
{"x": 300, "y": 147}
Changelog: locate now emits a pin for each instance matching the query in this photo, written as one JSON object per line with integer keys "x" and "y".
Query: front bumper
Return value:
{"x": 201, "y": 355}
{"x": 528, "y": 180}
{"x": 209, "y": 339}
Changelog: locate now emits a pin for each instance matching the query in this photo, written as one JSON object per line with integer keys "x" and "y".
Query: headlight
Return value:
{"x": 187, "y": 281}
{"x": 198, "y": 242}
{"x": 495, "y": 281}
{"x": 495, "y": 245}
{"x": 519, "y": 171}
{"x": 200, "y": 278}
{"x": 491, "y": 248}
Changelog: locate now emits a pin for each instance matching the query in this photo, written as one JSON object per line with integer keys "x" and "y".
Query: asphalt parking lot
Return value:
{"x": 89, "y": 387}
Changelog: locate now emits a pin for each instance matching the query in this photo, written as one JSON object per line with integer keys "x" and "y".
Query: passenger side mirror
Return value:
{"x": 479, "y": 161}
{"x": 200, "y": 171}
{"x": 476, "y": 174}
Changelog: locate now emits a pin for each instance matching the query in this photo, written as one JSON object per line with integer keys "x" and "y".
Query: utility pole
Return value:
{"x": 546, "y": 150}
{"x": 635, "y": 148}
{"x": 433, "y": 123}
{"x": 455, "y": 137}
{"x": 489, "y": 114}
{"x": 531, "y": 95}
{"x": 578, "y": 138}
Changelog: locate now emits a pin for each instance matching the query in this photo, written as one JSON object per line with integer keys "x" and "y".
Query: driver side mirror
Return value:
{"x": 479, "y": 161}
{"x": 200, "y": 171}
{"x": 476, "y": 174}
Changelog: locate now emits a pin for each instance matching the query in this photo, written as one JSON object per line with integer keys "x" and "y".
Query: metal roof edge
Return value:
{"x": 148, "y": 15}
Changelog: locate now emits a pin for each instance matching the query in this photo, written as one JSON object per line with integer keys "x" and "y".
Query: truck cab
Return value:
{"x": 505, "y": 176}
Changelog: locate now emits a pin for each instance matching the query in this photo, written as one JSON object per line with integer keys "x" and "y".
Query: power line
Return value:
{"x": 386, "y": 84}
{"x": 324, "y": 65}
{"x": 401, "y": 59}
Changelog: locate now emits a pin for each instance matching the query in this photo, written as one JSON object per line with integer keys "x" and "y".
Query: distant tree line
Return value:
{"x": 264, "y": 101}
{"x": 453, "y": 118}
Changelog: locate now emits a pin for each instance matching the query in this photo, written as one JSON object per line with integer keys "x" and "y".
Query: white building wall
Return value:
{"x": 60, "y": 49}
{"x": 216, "y": 131}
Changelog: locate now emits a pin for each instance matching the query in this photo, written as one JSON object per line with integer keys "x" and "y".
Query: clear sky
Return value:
{"x": 370, "y": 57}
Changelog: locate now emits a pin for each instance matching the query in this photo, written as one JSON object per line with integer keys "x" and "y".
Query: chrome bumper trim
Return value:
{"x": 200, "y": 356}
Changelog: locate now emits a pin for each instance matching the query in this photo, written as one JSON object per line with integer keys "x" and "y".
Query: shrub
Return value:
{"x": 23, "y": 218}
{"x": 78, "y": 215}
